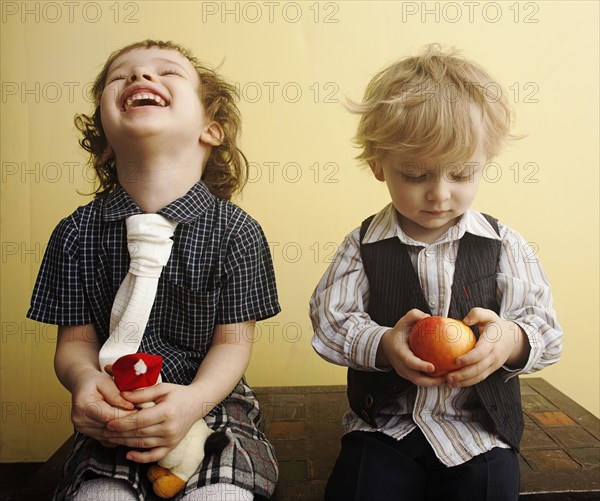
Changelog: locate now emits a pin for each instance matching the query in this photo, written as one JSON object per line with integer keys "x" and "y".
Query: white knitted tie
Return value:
{"x": 149, "y": 244}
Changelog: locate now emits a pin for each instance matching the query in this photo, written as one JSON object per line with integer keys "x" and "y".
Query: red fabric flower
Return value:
{"x": 137, "y": 370}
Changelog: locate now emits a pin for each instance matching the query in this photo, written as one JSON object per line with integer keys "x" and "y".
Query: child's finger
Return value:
{"x": 147, "y": 394}
{"x": 411, "y": 318}
{"x": 480, "y": 315}
{"x": 118, "y": 401}
{"x": 112, "y": 396}
{"x": 454, "y": 382}
{"x": 138, "y": 442}
{"x": 112, "y": 434}
{"x": 417, "y": 364}
{"x": 471, "y": 374}
{"x": 421, "y": 379}
{"x": 473, "y": 356}
{"x": 93, "y": 414}
{"x": 134, "y": 421}
{"x": 150, "y": 456}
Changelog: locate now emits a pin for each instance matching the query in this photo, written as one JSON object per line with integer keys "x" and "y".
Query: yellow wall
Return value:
{"x": 295, "y": 62}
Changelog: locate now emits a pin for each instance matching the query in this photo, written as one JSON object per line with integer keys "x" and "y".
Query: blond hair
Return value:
{"x": 422, "y": 109}
{"x": 226, "y": 169}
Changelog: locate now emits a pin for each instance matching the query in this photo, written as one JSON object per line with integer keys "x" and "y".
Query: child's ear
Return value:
{"x": 107, "y": 154}
{"x": 213, "y": 134}
{"x": 377, "y": 170}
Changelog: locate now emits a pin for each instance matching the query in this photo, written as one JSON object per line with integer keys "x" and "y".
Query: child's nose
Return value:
{"x": 139, "y": 73}
{"x": 439, "y": 191}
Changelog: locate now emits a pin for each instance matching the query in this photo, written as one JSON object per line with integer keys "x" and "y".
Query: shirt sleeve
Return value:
{"x": 344, "y": 333}
{"x": 248, "y": 291}
{"x": 526, "y": 299}
{"x": 58, "y": 296}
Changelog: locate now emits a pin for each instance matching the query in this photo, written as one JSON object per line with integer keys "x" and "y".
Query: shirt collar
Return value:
{"x": 119, "y": 205}
{"x": 191, "y": 205}
{"x": 385, "y": 225}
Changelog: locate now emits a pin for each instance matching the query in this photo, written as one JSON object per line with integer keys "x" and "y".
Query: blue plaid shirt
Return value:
{"x": 220, "y": 272}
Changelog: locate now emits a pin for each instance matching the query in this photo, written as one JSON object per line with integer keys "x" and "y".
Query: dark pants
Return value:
{"x": 375, "y": 467}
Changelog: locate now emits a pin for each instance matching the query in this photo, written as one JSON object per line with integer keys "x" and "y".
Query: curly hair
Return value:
{"x": 422, "y": 108}
{"x": 226, "y": 170}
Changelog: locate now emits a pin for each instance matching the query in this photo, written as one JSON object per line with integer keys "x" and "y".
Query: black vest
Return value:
{"x": 394, "y": 289}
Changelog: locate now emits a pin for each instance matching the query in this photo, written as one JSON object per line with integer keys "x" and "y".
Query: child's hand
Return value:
{"x": 500, "y": 342}
{"x": 394, "y": 351}
{"x": 159, "y": 428}
{"x": 96, "y": 401}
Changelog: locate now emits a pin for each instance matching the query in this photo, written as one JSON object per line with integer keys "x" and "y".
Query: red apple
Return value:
{"x": 441, "y": 341}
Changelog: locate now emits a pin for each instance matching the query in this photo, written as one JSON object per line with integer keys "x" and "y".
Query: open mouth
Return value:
{"x": 143, "y": 98}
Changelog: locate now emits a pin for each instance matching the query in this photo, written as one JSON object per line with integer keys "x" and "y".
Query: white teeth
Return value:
{"x": 139, "y": 96}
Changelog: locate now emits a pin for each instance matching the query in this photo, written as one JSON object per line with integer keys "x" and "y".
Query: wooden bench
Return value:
{"x": 560, "y": 454}
{"x": 560, "y": 451}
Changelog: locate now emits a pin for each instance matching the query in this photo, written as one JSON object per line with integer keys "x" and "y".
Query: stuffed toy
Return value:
{"x": 170, "y": 475}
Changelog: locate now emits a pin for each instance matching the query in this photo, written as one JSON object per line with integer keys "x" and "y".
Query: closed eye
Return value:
{"x": 463, "y": 174}
{"x": 171, "y": 72}
{"x": 459, "y": 177}
{"x": 414, "y": 179}
{"x": 115, "y": 78}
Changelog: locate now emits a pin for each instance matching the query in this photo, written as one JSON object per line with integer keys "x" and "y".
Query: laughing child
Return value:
{"x": 162, "y": 140}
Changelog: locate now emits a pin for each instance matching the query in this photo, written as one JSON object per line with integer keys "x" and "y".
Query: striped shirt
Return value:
{"x": 450, "y": 418}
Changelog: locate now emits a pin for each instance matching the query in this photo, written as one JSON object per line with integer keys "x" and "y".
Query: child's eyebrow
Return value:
{"x": 171, "y": 61}
{"x": 412, "y": 168}
{"x": 155, "y": 59}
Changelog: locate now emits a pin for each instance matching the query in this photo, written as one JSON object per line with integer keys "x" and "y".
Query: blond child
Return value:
{"x": 162, "y": 139}
{"x": 428, "y": 126}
